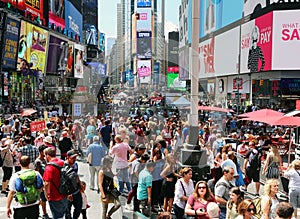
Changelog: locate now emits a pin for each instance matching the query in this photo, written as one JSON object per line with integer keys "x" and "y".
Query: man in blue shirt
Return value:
{"x": 95, "y": 150}
{"x": 144, "y": 189}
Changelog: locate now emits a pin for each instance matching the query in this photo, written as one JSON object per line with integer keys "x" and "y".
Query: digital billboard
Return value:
{"x": 11, "y": 39}
{"x": 175, "y": 82}
{"x": 78, "y": 57}
{"x": 57, "y": 13}
{"x": 286, "y": 40}
{"x": 143, "y": 3}
{"x": 144, "y": 42}
{"x": 144, "y": 68}
{"x": 144, "y": 19}
{"x": 33, "y": 42}
{"x": 56, "y": 55}
{"x": 73, "y": 20}
{"x": 256, "y": 44}
{"x": 98, "y": 68}
{"x": 91, "y": 34}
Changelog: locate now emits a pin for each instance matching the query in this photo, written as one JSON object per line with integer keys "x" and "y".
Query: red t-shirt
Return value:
{"x": 52, "y": 176}
{"x": 196, "y": 205}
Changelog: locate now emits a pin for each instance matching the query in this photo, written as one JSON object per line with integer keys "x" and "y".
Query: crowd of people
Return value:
{"x": 138, "y": 157}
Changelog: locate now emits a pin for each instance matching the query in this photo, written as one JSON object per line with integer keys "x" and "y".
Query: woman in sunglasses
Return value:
{"x": 197, "y": 202}
{"x": 246, "y": 210}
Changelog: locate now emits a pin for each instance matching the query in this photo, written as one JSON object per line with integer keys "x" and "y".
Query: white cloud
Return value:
{"x": 169, "y": 27}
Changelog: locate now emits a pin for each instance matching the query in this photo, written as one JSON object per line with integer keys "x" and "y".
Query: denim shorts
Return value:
{"x": 58, "y": 208}
{"x": 294, "y": 196}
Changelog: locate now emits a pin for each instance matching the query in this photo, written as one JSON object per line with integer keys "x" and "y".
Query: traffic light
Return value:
{"x": 261, "y": 82}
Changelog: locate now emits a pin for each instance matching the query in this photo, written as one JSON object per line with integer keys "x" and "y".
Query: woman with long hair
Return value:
{"x": 106, "y": 183}
{"x": 91, "y": 131}
{"x": 273, "y": 163}
{"x": 196, "y": 205}
{"x": 170, "y": 177}
{"x": 184, "y": 187}
{"x": 269, "y": 200}
{"x": 236, "y": 197}
{"x": 246, "y": 210}
{"x": 293, "y": 174}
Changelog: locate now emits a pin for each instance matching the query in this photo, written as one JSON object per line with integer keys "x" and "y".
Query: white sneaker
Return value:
{"x": 129, "y": 207}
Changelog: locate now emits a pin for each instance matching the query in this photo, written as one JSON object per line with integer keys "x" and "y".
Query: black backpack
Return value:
{"x": 255, "y": 161}
{"x": 69, "y": 181}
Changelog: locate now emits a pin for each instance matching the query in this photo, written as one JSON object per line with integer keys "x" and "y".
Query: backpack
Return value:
{"x": 68, "y": 182}
{"x": 28, "y": 187}
{"x": 255, "y": 162}
{"x": 257, "y": 204}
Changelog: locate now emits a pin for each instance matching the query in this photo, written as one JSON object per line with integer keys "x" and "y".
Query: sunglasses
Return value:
{"x": 201, "y": 187}
{"x": 251, "y": 209}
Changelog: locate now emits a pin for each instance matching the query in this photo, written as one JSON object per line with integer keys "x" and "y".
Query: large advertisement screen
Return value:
{"x": 56, "y": 55}
{"x": 91, "y": 34}
{"x": 78, "y": 71}
{"x": 256, "y": 44}
{"x": 11, "y": 39}
{"x": 57, "y": 13}
{"x": 175, "y": 82}
{"x": 143, "y": 3}
{"x": 144, "y": 19}
{"x": 33, "y": 42}
{"x": 144, "y": 41}
{"x": 144, "y": 68}
{"x": 73, "y": 20}
{"x": 286, "y": 40}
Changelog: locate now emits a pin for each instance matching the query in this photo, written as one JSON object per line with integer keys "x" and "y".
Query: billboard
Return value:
{"x": 207, "y": 58}
{"x": 175, "y": 82}
{"x": 73, "y": 21}
{"x": 91, "y": 34}
{"x": 156, "y": 71}
{"x": 144, "y": 68}
{"x": 56, "y": 55}
{"x": 256, "y": 44}
{"x": 143, "y": 3}
{"x": 78, "y": 57}
{"x": 33, "y": 42}
{"x": 11, "y": 39}
{"x": 144, "y": 42}
{"x": 98, "y": 68}
{"x": 144, "y": 19}
{"x": 102, "y": 42}
{"x": 70, "y": 60}
{"x": 183, "y": 23}
{"x": 57, "y": 13}
{"x": 286, "y": 40}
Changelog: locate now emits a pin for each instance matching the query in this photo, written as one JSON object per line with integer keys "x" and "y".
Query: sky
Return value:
{"x": 107, "y": 10}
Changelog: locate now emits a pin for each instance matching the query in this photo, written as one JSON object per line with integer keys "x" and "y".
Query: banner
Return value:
{"x": 56, "y": 56}
{"x": 37, "y": 126}
{"x": 78, "y": 71}
{"x": 144, "y": 42}
{"x": 144, "y": 68}
{"x": 33, "y": 42}
{"x": 57, "y": 13}
{"x": 11, "y": 39}
{"x": 73, "y": 21}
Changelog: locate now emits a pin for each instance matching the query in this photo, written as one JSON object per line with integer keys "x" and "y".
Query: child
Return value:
{"x": 85, "y": 204}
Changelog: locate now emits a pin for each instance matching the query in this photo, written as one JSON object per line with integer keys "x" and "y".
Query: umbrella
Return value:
{"x": 286, "y": 121}
{"x": 28, "y": 112}
{"x": 293, "y": 113}
{"x": 262, "y": 113}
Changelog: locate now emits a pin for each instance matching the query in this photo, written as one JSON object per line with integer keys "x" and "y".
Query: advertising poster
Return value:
{"x": 102, "y": 42}
{"x": 143, "y": 3}
{"x": 207, "y": 57}
{"x": 11, "y": 39}
{"x": 73, "y": 21}
{"x": 91, "y": 34}
{"x": 174, "y": 81}
{"x": 37, "y": 126}
{"x": 56, "y": 54}
{"x": 211, "y": 88}
{"x": 78, "y": 71}
{"x": 33, "y": 42}
{"x": 286, "y": 40}
{"x": 57, "y": 13}
{"x": 256, "y": 44}
{"x": 70, "y": 60}
{"x": 144, "y": 68}
{"x": 215, "y": 14}
{"x": 144, "y": 19}
{"x": 144, "y": 42}
{"x": 34, "y": 7}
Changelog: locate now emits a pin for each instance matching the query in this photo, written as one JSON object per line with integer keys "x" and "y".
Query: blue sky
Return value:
{"x": 107, "y": 10}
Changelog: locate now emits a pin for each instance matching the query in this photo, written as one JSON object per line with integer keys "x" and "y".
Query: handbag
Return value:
{"x": 115, "y": 193}
{"x": 89, "y": 158}
{"x": 2, "y": 159}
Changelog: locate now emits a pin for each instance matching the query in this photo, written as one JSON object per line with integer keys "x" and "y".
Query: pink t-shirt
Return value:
{"x": 120, "y": 152}
{"x": 196, "y": 205}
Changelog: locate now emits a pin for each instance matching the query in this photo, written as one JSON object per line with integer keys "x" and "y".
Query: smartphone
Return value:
{"x": 201, "y": 210}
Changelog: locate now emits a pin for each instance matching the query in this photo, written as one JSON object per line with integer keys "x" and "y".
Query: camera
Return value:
{"x": 201, "y": 210}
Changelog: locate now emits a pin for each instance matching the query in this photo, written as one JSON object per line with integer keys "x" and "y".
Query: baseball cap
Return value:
{"x": 71, "y": 153}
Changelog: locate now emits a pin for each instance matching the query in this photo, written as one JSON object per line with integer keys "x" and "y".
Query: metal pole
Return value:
{"x": 193, "y": 118}
{"x": 239, "y": 66}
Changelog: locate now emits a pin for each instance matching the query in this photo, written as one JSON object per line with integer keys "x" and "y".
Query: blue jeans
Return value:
{"x": 123, "y": 177}
{"x": 77, "y": 203}
{"x": 58, "y": 208}
{"x": 222, "y": 213}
